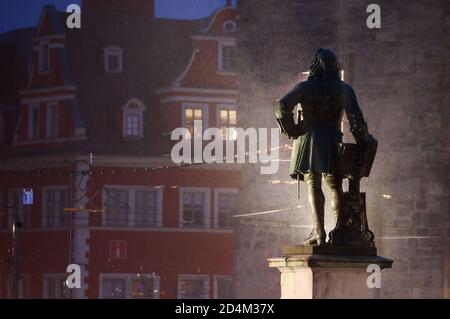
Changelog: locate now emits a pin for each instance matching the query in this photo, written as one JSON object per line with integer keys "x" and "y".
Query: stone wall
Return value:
{"x": 401, "y": 76}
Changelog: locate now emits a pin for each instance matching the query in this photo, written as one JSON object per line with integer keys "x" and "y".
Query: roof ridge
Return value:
{"x": 11, "y": 32}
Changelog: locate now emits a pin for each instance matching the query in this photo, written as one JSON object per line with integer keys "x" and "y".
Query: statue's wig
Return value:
{"x": 324, "y": 66}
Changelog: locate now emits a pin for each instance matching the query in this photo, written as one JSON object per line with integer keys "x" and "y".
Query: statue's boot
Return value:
{"x": 335, "y": 185}
{"x": 336, "y": 200}
{"x": 316, "y": 201}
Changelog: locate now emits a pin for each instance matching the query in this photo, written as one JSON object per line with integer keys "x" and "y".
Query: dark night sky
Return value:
{"x": 16, "y": 14}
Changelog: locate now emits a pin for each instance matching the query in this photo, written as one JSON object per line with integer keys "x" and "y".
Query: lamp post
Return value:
{"x": 15, "y": 253}
{"x": 71, "y": 211}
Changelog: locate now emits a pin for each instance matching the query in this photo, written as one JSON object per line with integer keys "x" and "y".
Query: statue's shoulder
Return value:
{"x": 346, "y": 88}
{"x": 301, "y": 88}
{"x": 303, "y": 84}
{"x": 306, "y": 86}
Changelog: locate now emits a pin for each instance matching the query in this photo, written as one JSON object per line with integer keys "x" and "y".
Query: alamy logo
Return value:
{"x": 374, "y": 279}
{"x": 374, "y": 19}
{"x": 213, "y": 152}
{"x": 74, "y": 278}
{"x": 73, "y": 20}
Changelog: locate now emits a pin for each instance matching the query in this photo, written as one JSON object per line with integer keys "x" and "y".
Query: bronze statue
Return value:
{"x": 318, "y": 150}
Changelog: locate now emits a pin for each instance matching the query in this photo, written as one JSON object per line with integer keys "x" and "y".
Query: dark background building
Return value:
{"x": 401, "y": 75}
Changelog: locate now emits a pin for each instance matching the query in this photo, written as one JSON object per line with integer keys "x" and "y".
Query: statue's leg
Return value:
{"x": 316, "y": 203}
{"x": 334, "y": 182}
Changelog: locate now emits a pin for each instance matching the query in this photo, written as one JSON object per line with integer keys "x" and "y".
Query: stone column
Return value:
{"x": 323, "y": 273}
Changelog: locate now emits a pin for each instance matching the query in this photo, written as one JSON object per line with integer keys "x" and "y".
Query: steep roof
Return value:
{"x": 173, "y": 37}
{"x": 155, "y": 52}
{"x": 15, "y": 51}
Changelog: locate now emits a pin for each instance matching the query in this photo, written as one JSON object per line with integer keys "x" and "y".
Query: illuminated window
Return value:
{"x": 191, "y": 113}
{"x": 113, "y": 60}
{"x": 227, "y": 122}
{"x": 193, "y": 287}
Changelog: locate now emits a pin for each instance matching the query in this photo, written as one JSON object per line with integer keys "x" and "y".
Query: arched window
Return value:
{"x": 133, "y": 123}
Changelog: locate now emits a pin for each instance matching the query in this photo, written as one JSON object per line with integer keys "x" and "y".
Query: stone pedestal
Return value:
{"x": 321, "y": 272}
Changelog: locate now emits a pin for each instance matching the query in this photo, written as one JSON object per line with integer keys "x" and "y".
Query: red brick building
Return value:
{"x": 85, "y": 122}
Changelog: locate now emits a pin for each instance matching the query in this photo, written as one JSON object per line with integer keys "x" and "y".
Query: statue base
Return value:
{"x": 321, "y": 272}
{"x": 330, "y": 250}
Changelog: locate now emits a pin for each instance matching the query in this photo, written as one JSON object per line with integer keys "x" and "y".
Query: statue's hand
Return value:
{"x": 369, "y": 139}
{"x": 365, "y": 138}
{"x": 294, "y": 134}
{"x": 297, "y": 131}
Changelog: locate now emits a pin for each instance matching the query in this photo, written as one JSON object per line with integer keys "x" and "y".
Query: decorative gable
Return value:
{"x": 212, "y": 63}
{"x": 206, "y": 89}
{"x": 49, "y": 111}
{"x": 223, "y": 22}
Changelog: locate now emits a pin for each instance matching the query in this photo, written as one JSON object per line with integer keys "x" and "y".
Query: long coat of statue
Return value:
{"x": 318, "y": 133}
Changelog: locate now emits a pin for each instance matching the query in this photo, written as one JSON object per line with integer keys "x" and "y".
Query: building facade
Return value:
{"x": 86, "y": 124}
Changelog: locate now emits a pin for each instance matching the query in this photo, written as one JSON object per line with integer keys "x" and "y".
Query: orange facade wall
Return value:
{"x": 66, "y": 126}
{"x": 205, "y": 72}
{"x": 169, "y": 179}
{"x": 167, "y": 254}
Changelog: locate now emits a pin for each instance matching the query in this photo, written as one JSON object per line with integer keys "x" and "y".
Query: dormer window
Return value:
{"x": 44, "y": 58}
{"x": 133, "y": 124}
{"x": 227, "y": 54}
{"x": 133, "y": 127}
{"x": 229, "y": 26}
{"x": 113, "y": 60}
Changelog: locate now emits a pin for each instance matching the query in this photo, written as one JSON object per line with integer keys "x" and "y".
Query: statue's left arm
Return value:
{"x": 358, "y": 125}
